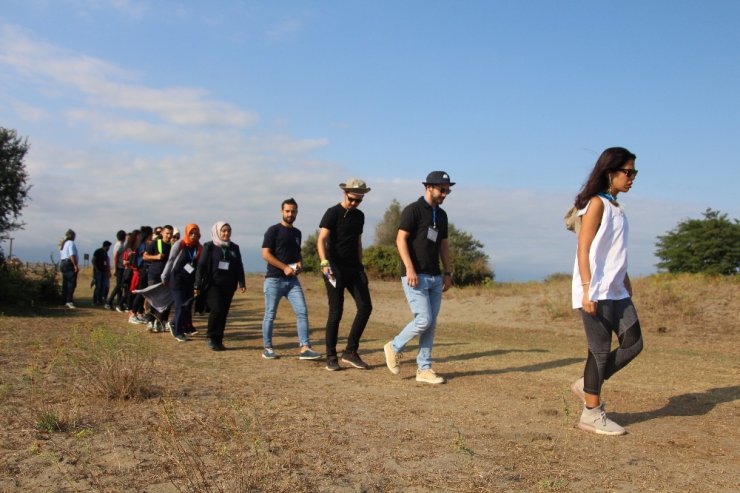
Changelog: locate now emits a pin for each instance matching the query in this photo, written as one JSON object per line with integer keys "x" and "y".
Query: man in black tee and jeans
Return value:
{"x": 340, "y": 250}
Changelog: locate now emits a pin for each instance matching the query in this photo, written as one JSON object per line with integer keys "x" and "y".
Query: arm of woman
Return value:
{"x": 241, "y": 281}
{"x": 589, "y": 225}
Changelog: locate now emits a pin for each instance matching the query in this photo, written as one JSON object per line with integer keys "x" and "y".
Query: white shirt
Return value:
{"x": 607, "y": 258}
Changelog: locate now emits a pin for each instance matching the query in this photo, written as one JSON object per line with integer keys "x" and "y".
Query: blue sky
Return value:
{"x": 144, "y": 112}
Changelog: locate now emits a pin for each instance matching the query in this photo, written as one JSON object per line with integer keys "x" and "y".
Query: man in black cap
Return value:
{"x": 421, "y": 242}
{"x": 340, "y": 250}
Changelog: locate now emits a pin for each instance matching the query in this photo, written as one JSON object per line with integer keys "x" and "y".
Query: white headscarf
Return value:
{"x": 216, "y": 234}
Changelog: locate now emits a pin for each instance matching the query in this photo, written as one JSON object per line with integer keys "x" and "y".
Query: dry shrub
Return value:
{"x": 113, "y": 365}
{"x": 225, "y": 450}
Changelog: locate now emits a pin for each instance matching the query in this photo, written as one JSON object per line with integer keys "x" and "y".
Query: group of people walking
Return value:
{"x": 190, "y": 273}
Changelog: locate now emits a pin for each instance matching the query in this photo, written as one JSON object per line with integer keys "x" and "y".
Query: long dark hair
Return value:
{"x": 598, "y": 181}
{"x": 132, "y": 240}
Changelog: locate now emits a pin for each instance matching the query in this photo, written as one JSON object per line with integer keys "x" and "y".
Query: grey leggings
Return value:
{"x": 617, "y": 316}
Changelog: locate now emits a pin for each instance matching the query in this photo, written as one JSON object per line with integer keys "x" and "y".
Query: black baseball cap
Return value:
{"x": 438, "y": 178}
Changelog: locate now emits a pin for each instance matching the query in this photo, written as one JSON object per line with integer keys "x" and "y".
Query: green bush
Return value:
{"x": 28, "y": 286}
{"x": 382, "y": 261}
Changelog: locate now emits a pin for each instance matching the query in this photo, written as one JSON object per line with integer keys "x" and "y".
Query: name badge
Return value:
{"x": 189, "y": 268}
{"x": 432, "y": 234}
{"x": 223, "y": 265}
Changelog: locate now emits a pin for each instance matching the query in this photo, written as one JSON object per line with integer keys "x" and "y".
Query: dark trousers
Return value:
{"x": 354, "y": 281}
{"x": 620, "y": 317}
{"x": 69, "y": 281}
{"x": 102, "y": 284}
{"x": 118, "y": 289}
{"x": 183, "y": 296}
{"x": 218, "y": 300}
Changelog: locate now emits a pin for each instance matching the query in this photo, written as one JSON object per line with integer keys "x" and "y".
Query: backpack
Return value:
{"x": 572, "y": 220}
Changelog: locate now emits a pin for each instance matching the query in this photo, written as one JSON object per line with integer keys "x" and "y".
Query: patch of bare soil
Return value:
{"x": 505, "y": 421}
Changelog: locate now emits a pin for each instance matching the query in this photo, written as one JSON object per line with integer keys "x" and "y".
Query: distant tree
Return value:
{"x": 13, "y": 177}
{"x": 310, "y": 253}
{"x": 710, "y": 245}
{"x": 387, "y": 228}
{"x": 470, "y": 264}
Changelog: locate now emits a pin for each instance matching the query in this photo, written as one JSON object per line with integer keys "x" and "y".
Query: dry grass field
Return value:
{"x": 89, "y": 402}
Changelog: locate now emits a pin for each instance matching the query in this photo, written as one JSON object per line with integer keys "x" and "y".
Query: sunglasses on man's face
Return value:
{"x": 444, "y": 190}
{"x": 354, "y": 200}
{"x": 631, "y": 173}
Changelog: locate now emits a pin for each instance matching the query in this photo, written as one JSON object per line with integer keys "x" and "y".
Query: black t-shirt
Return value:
{"x": 417, "y": 219}
{"x": 100, "y": 260}
{"x": 157, "y": 266}
{"x": 285, "y": 244}
{"x": 346, "y": 228}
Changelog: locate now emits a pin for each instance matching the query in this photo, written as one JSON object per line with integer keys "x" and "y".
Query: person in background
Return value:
{"x": 601, "y": 287}
{"x": 340, "y": 250}
{"x": 101, "y": 273}
{"x": 179, "y": 274}
{"x": 220, "y": 271}
{"x": 422, "y": 242}
{"x": 281, "y": 249}
{"x": 142, "y": 277}
{"x": 118, "y": 290}
{"x": 69, "y": 267}
{"x": 156, "y": 255}
{"x": 130, "y": 275}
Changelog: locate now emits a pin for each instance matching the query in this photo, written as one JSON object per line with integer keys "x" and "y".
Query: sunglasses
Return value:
{"x": 631, "y": 173}
{"x": 444, "y": 190}
{"x": 354, "y": 200}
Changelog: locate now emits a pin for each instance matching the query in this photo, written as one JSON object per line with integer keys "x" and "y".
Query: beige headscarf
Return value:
{"x": 216, "y": 234}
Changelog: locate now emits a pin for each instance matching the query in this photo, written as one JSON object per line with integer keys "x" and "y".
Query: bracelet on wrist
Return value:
{"x": 324, "y": 263}
{"x": 586, "y": 283}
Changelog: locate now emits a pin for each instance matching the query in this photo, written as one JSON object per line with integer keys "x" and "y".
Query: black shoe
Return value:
{"x": 191, "y": 332}
{"x": 332, "y": 363}
{"x": 354, "y": 359}
{"x": 215, "y": 346}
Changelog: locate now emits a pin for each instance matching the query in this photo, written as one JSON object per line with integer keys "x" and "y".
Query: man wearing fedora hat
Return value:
{"x": 421, "y": 242}
{"x": 340, "y": 250}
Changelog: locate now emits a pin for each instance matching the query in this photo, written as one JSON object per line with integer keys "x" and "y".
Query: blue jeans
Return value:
{"x": 425, "y": 301}
{"x": 69, "y": 281}
{"x": 276, "y": 288}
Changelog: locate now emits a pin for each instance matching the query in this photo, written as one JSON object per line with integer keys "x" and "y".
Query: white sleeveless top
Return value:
{"x": 607, "y": 257}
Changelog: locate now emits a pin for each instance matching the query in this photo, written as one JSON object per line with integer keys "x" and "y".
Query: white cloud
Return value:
{"x": 106, "y": 85}
{"x": 29, "y": 113}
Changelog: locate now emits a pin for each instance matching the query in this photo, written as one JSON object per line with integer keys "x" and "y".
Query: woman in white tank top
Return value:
{"x": 601, "y": 287}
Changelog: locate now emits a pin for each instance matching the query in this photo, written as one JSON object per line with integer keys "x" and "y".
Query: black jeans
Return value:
{"x": 354, "y": 281}
{"x": 118, "y": 291}
{"x": 218, "y": 300}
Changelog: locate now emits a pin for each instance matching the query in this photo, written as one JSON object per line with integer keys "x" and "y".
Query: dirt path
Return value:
{"x": 505, "y": 421}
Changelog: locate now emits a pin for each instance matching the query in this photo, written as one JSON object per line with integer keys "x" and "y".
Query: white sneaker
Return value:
{"x": 428, "y": 376}
{"x": 577, "y": 389}
{"x": 595, "y": 421}
{"x": 70, "y": 305}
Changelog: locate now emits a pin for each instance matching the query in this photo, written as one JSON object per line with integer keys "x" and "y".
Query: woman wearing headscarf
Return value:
{"x": 69, "y": 266}
{"x": 179, "y": 274}
{"x": 220, "y": 272}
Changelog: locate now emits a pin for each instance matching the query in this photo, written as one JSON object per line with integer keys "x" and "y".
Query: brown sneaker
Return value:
{"x": 392, "y": 358}
{"x": 428, "y": 376}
